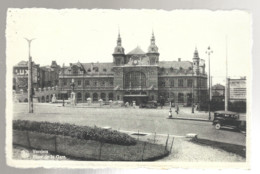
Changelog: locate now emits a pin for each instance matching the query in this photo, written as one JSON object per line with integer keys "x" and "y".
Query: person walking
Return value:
{"x": 170, "y": 113}
{"x": 177, "y": 109}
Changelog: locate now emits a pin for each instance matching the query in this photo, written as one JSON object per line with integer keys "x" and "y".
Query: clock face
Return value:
{"x": 135, "y": 62}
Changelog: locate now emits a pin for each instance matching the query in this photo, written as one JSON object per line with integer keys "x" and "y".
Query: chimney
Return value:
{"x": 179, "y": 59}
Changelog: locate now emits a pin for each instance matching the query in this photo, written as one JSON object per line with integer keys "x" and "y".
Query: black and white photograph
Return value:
{"x": 146, "y": 88}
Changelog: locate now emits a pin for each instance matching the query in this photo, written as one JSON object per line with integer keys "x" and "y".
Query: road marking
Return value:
{"x": 148, "y": 133}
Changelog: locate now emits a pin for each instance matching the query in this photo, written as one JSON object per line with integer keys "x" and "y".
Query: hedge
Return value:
{"x": 80, "y": 132}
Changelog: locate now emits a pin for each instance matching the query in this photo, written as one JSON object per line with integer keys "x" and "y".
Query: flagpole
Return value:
{"x": 226, "y": 87}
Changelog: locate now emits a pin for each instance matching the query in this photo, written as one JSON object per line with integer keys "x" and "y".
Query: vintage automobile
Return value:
{"x": 228, "y": 119}
{"x": 149, "y": 104}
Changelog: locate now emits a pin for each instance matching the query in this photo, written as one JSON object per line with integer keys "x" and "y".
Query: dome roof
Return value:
{"x": 119, "y": 50}
{"x": 137, "y": 50}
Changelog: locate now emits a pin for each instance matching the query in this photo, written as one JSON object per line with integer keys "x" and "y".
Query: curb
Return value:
{"x": 191, "y": 119}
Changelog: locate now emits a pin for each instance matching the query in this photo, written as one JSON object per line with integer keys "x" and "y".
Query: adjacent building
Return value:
{"x": 137, "y": 76}
{"x": 218, "y": 93}
{"x": 42, "y": 77}
{"x": 237, "y": 89}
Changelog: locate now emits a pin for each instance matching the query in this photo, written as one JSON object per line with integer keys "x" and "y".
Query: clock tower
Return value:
{"x": 119, "y": 53}
{"x": 153, "y": 53}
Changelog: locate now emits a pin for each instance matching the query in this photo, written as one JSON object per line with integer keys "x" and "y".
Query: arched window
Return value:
{"x": 87, "y": 95}
{"x": 110, "y": 96}
{"x": 135, "y": 79}
{"x": 43, "y": 99}
{"x": 95, "y": 97}
{"x": 103, "y": 96}
{"x": 79, "y": 96}
{"x": 47, "y": 99}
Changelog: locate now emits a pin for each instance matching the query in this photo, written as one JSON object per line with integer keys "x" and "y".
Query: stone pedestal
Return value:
{"x": 73, "y": 98}
{"x": 54, "y": 99}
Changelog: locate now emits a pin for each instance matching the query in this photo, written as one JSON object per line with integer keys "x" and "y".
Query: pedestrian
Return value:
{"x": 177, "y": 109}
{"x": 134, "y": 104}
{"x": 170, "y": 113}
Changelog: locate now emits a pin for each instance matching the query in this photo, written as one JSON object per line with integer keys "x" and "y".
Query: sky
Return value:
{"x": 72, "y": 35}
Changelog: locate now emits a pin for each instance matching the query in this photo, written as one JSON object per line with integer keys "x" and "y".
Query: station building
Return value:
{"x": 136, "y": 76}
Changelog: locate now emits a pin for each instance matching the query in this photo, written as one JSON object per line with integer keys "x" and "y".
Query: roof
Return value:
{"x": 24, "y": 64}
{"x": 218, "y": 86}
{"x": 225, "y": 112}
{"x": 101, "y": 67}
{"x": 175, "y": 64}
{"x": 137, "y": 50}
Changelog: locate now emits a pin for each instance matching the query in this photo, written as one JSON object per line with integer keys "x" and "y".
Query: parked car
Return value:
{"x": 228, "y": 119}
{"x": 149, "y": 104}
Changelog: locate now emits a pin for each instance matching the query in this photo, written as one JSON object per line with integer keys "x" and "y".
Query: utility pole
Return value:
{"x": 226, "y": 88}
{"x": 192, "y": 91}
{"x": 63, "y": 103}
{"x": 209, "y": 51}
{"x": 30, "y": 87}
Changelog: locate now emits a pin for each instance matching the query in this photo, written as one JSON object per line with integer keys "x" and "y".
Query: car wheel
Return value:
{"x": 218, "y": 126}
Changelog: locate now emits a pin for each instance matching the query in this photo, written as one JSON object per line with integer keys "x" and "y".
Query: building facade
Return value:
{"x": 137, "y": 76}
{"x": 42, "y": 77}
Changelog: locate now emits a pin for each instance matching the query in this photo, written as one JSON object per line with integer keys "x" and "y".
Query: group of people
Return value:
{"x": 177, "y": 110}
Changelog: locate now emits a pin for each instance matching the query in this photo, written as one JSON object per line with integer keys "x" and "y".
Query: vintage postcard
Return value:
{"x": 128, "y": 88}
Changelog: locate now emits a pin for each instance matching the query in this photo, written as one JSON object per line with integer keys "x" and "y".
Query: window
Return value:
{"x": 87, "y": 95}
{"x": 111, "y": 82}
{"x": 117, "y": 61}
{"x": 64, "y": 82}
{"x": 89, "y": 70}
{"x": 95, "y": 97}
{"x": 79, "y": 82}
{"x": 87, "y": 83}
{"x": 180, "y": 82}
{"x": 110, "y": 96}
{"x": 75, "y": 70}
{"x": 190, "y": 81}
{"x": 102, "y": 83}
{"x": 79, "y": 96}
{"x": 103, "y": 96}
{"x": 105, "y": 70}
{"x": 162, "y": 84}
{"x": 95, "y": 83}
{"x": 135, "y": 79}
{"x": 152, "y": 62}
{"x": 118, "y": 97}
{"x": 180, "y": 98}
{"x": 172, "y": 83}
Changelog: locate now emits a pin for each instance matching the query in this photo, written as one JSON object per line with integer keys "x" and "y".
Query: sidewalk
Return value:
{"x": 185, "y": 113}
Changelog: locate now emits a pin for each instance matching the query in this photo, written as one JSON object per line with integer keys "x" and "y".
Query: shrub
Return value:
{"x": 80, "y": 132}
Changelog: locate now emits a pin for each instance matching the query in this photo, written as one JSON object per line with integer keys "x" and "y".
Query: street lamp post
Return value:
{"x": 209, "y": 51}
{"x": 192, "y": 91}
{"x": 63, "y": 103}
{"x": 72, "y": 84}
{"x": 30, "y": 87}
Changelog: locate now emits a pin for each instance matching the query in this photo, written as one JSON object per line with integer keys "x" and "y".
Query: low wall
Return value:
{"x": 88, "y": 149}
